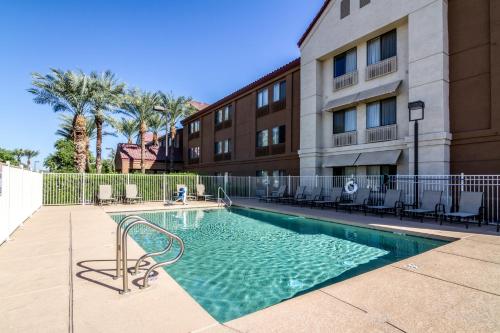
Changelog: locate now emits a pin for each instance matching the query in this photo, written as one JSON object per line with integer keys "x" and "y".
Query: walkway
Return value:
{"x": 57, "y": 277}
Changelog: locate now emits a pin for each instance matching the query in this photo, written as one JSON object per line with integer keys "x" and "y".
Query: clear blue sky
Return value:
{"x": 200, "y": 48}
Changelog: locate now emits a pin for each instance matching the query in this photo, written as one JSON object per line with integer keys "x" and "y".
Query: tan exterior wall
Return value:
{"x": 475, "y": 86}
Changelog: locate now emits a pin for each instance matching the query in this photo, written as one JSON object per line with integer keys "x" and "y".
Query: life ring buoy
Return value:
{"x": 351, "y": 187}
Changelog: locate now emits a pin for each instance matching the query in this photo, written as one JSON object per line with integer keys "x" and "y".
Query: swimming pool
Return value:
{"x": 240, "y": 260}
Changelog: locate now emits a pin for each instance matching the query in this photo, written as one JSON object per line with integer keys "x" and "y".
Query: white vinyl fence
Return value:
{"x": 20, "y": 197}
{"x": 70, "y": 189}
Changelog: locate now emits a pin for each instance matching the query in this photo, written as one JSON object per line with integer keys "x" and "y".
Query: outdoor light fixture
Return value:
{"x": 416, "y": 113}
{"x": 163, "y": 110}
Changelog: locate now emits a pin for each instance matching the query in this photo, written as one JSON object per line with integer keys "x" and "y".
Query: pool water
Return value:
{"x": 239, "y": 261}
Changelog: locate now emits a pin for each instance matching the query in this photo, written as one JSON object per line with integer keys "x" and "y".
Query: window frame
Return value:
{"x": 281, "y": 133}
{"x": 380, "y": 38}
{"x": 342, "y": 113}
{"x": 264, "y": 92}
{"x": 280, "y": 88}
{"x": 381, "y": 112}
{"x": 266, "y": 144}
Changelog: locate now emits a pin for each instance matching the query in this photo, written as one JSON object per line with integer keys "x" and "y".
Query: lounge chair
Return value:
{"x": 131, "y": 193}
{"x": 392, "y": 203}
{"x": 360, "y": 200}
{"x": 308, "y": 199}
{"x": 188, "y": 195}
{"x": 105, "y": 195}
{"x": 331, "y": 200}
{"x": 299, "y": 194}
{"x": 275, "y": 195}
{"x": 200, "y": 193}
{"x": 430, "y": 205}
{"x": 470, "y": 206}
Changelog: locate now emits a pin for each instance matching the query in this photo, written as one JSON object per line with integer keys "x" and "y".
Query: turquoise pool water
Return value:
{"x": 240, "y": 260}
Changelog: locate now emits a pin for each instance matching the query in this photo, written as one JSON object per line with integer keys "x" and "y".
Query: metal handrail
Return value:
{"x": 123, "y": 245}
{"x": 119, "y": 241}
{"x": 229, "y": 202}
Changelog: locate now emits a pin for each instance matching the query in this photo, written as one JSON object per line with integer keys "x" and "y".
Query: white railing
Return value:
{"x": 65, "y": 189}
{"x": 382, "y": 68}
{"x": 345, "y": 139}
{"x": 382, "y": 133}
{"x": 20, "y": 197}
{"x": 224, "y": 199}
{"x": 345, "y": 80}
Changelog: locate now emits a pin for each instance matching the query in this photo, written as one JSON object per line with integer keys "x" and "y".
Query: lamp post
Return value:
{"x": 416, "y": 113}
{"x": 163, "y": 110}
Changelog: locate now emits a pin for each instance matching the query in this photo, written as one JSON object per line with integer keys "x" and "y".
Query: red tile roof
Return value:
{"x": 277, "y": 72}
{"x": 152, "y": 153}
{"x": 313, "y": 22}
{"x": 199, "y": 105}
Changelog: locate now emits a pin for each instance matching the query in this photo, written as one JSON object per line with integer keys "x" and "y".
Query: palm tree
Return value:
{"x": 176, "y": 109}
{"x": 66, "y": 128}
{"x": 67, "y": 91}
{"x": 29, "y": 155}
{"x": 18, "y": 153}
{"x": 139, "y": 106}
{"x": 105, "y": 94}
{"x": 156, "y": 124}
{"x": 127, "y": 127}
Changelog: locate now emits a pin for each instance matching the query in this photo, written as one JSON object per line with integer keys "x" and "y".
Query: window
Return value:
{"x": 345, "y": 63}
{"x": 223, "y": 115}
{"x": 176, "y": 142}
{"x": 194, "y": 153}
{"x": 262, "y": 98}
{"x": 279, "y": 173}
{"x": 223, "y": 147}
{"x": 262, "y": 138}
{"x": 194, "y": 127}
{"x": 383, "y": 47}
{"x": 344, "y": 171}
{"x": 278, "y": 134}
{"x": 261, "y": 173}
{"x": 345, "y": 8}
{"x": 279, "y": 91}
{"x": 363, "y": 3}
{"x": 381, "y": 113}
{"x": 344, "y": 121}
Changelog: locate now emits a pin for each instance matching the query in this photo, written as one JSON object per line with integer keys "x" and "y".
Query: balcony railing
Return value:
{"x": 279, "y": 105}
{"x": 382, "y": 68}
{"x": 346, "y": 80}
{"x": 194, "y": 160}
{"x": 345, "y": 139}
{"x": 222, "y": 157}
{"x": 261, "y": 151}
{"x": 262, "y": 111}
{"x": 382, "y": 133}
{"x": 194, "y": 135}
{"x": 278, "y": 148}
{"x": 224, "y": 124}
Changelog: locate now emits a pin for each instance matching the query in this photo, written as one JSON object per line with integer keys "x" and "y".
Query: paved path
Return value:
{"x": 57, "y": 272}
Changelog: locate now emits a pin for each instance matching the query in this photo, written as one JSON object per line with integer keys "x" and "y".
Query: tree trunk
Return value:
{"x": 143, "y": 130}
{"x": 155, "y": 138}
{"x": 80, "y": 141}
{"x": 173, "y": 132}
{"x": 98, "y": 144}
{"x": 28, "y": 163}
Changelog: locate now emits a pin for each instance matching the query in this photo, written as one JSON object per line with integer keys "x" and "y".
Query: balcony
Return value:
{"x": 262, "y": 111}
{"x": 382, "y": 68}
{"x": 261, "y": 151}
{"x": 224, "y": 124}
{"x": 194, "y": 135}
{"x": 279, "y": 105}
{"x": 382, "y": 133}
{"x": 278, "y": 148}
{"x": 346, "y": 80}
{"x": 345, "y": 139}
{"x": 222, "y": 157}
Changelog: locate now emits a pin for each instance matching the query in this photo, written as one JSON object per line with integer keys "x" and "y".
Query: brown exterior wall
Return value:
{"x": 474, "y": 34}
{"x": 242, "y": 132}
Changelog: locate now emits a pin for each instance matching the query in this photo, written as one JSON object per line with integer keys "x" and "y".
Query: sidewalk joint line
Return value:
{"x": 70, "y": 314}
{"x": 459, "y": 255}
{"x": 345, "y": 302}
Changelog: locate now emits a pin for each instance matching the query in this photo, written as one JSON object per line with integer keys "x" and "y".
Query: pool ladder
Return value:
{"x": 224, "y": 199}
{"x": 121, "y": 250}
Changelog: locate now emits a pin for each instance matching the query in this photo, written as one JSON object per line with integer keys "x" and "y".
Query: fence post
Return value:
{"x": 289, "y": 185}
{"x": 83, "y": 189}
{"x": 462, "y": 181}
{"x": 164, "y": 189}
{"x": 249, "y": 186}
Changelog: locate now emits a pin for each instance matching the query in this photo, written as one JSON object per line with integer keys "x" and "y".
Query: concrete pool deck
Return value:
{"x": 57, "y": 276}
